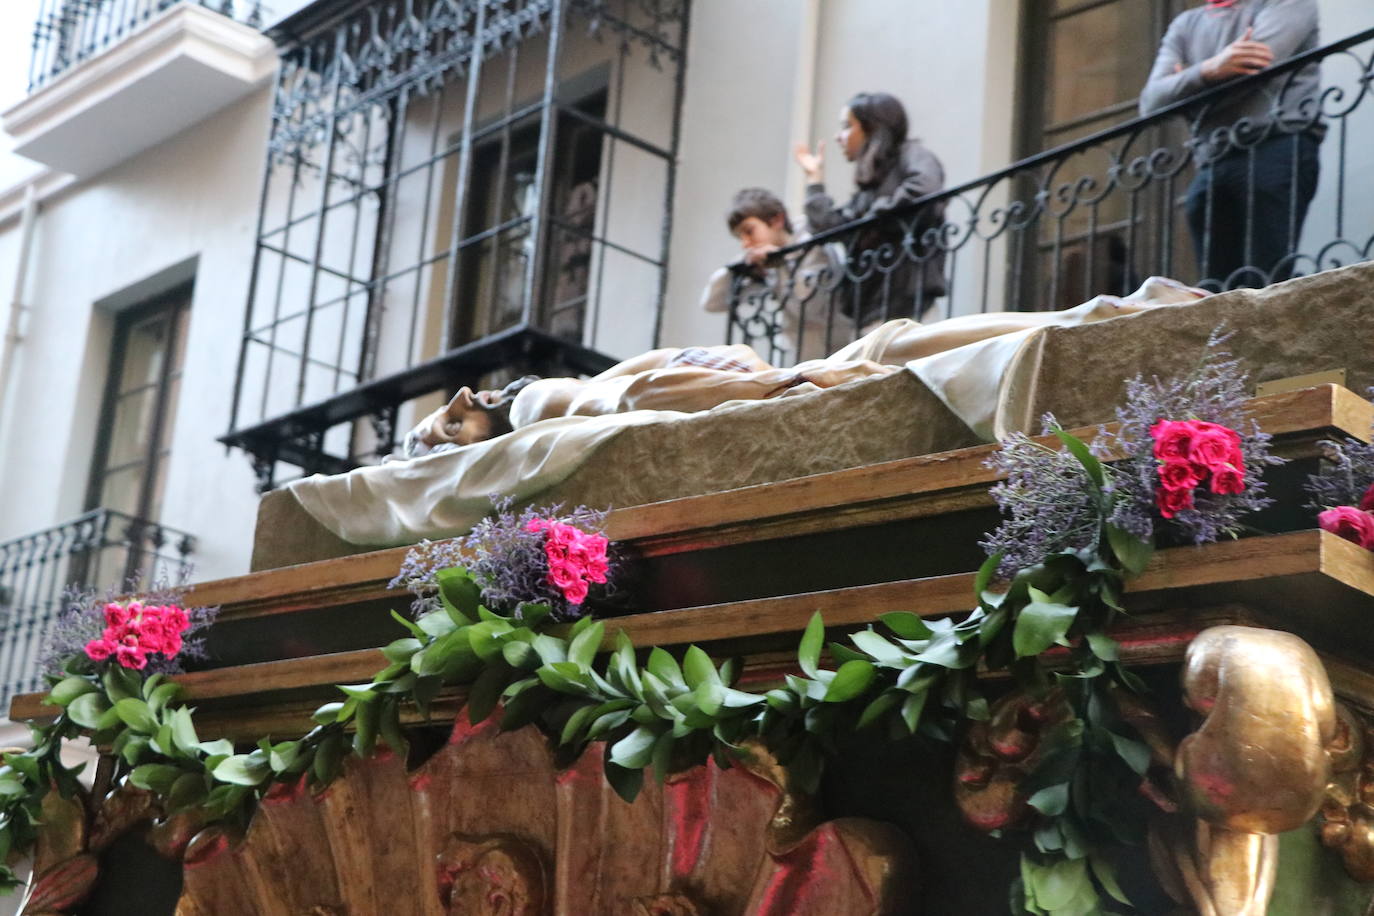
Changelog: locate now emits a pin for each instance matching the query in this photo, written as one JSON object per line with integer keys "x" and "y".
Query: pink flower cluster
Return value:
{"x": 1192, "y": 453}
{"x": 1354, "y": 523}
{"x": 133, "y": 632}
{"x": 576, "y": 559}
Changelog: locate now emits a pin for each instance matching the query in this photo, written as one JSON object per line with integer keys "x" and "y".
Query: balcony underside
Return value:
{"x": 174, "y": 72}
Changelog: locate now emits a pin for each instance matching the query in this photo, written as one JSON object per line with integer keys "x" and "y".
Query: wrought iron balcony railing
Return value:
{"x": 71, "y": 31}
{"x": 102, "y": 548}
{"x": 1098, "y": 216}
{"x": 454, "y": 188}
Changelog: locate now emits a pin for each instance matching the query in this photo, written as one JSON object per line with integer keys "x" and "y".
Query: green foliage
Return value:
{"x": 659, "y": 712}
{"x": 917, "y": 675}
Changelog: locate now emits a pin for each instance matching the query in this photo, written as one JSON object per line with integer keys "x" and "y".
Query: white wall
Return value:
{"x": 189, "y": 201}
{"x": 1354, "y": 133}
{"x": 16, "y": 38}
{"x": 736, "y": 132}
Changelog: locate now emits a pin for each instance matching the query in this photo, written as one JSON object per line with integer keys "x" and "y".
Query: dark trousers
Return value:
{"x": 1246, "y": 210}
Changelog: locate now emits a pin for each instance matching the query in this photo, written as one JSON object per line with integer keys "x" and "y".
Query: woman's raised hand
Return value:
{"x": 810, "y": 162}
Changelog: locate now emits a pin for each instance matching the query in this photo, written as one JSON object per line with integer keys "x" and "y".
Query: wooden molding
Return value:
{"x": 1309, "y": 581}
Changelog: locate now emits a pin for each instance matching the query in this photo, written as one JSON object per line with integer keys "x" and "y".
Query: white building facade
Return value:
{"x": 152, "y": 310}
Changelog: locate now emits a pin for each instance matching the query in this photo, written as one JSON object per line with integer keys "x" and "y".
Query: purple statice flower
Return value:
{"x": 1347, "y": 475}
{"x": 505, "y": 558}
{"x": 419, "y": 566}
{"x": 1048, "y": 503}
{"x": 1215, "y": 391}
{"x": 1051, "y": 506}
{"x": 82, "y": 619}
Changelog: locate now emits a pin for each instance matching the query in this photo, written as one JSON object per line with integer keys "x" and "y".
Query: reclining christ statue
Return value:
{"x": 530, "y": 436}
{"x": 700, "y": 378}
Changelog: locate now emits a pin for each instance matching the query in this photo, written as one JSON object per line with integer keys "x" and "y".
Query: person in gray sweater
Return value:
{"x": 785, "y": 295}
{"x": 1244, "y": 207}
{"x": 897, "y": 272}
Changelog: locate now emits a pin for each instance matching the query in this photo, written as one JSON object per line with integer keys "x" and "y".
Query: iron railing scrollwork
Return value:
{"x": 101, "y": 548}
{"x": 1098, "y": 215}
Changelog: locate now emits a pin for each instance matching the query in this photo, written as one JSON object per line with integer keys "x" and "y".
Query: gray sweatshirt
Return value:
{"x": 1288, "y": 27}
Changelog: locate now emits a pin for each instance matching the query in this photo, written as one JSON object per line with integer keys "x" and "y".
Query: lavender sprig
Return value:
{"x": 1050, "y": 504}
{"x": 504, "y": 558}
{"x": 1347, "y": 476}
{"x": 418, "y": 570}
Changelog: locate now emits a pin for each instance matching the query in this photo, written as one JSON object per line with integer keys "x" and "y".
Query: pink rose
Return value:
{"x": 1180, "y": 475}
{"x": 591, "y": 547}
{"x": 1228, "y": 480}
{"x": 116, "y": 615}
{"x": 562, "y": 535}
{"x": 594, "y": 544}
{"x": 153, "y": 638}
{"x": 178, "y": 618}
{"x": 576, "y": 593}
{"x": 596, "y": 570}
{"x": 131, "y": 657}
{"x": 563, "y": 576}
{"x": 574, "y": 557}
{"x": 115, "y": 633}
{"x": 97, "y": 650}
{"x": 1213, "y": 444}
{"x": 1367, "y": 500}
{"x": 1172, "y": 502}
{"x": 1350, "y": 523}
{"x": 1172, "y": 438}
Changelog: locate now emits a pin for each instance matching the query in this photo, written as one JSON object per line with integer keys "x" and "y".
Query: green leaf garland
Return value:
{"x": 906, "y": 674}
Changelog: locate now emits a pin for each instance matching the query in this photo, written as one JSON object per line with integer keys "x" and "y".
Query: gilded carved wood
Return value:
{"x": 489, "y": 826}
{"x": 1256, "y": 766}
{"x": 1260, "y": 762}
{"x": 1347, "y": 810}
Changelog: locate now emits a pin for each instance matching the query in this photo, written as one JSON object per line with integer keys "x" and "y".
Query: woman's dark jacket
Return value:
{"x": 913, "y": 285}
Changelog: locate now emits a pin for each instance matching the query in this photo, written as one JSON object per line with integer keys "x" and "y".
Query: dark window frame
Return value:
{"x": 1033, "y": 128}
{"x": 177, "y": 302}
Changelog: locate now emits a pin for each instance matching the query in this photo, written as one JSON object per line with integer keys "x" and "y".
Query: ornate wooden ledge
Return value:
{"x": 841, "y": 500}
{"x": 1257, "y": 579}
{"x": 1185, "y": 589}
{"x": 282, "y": 628}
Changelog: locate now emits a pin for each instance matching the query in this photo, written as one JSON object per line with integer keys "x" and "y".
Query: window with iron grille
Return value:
{"x": 135, "y": 435}
{"x": 458, "y": 192}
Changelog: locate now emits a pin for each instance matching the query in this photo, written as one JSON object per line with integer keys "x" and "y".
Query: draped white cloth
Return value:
{"x": 440, "y": 495}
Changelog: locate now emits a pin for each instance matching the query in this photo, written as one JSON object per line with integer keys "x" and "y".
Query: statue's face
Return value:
{"x": 851, "y": 137}
{"x": 468, "y": 417}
